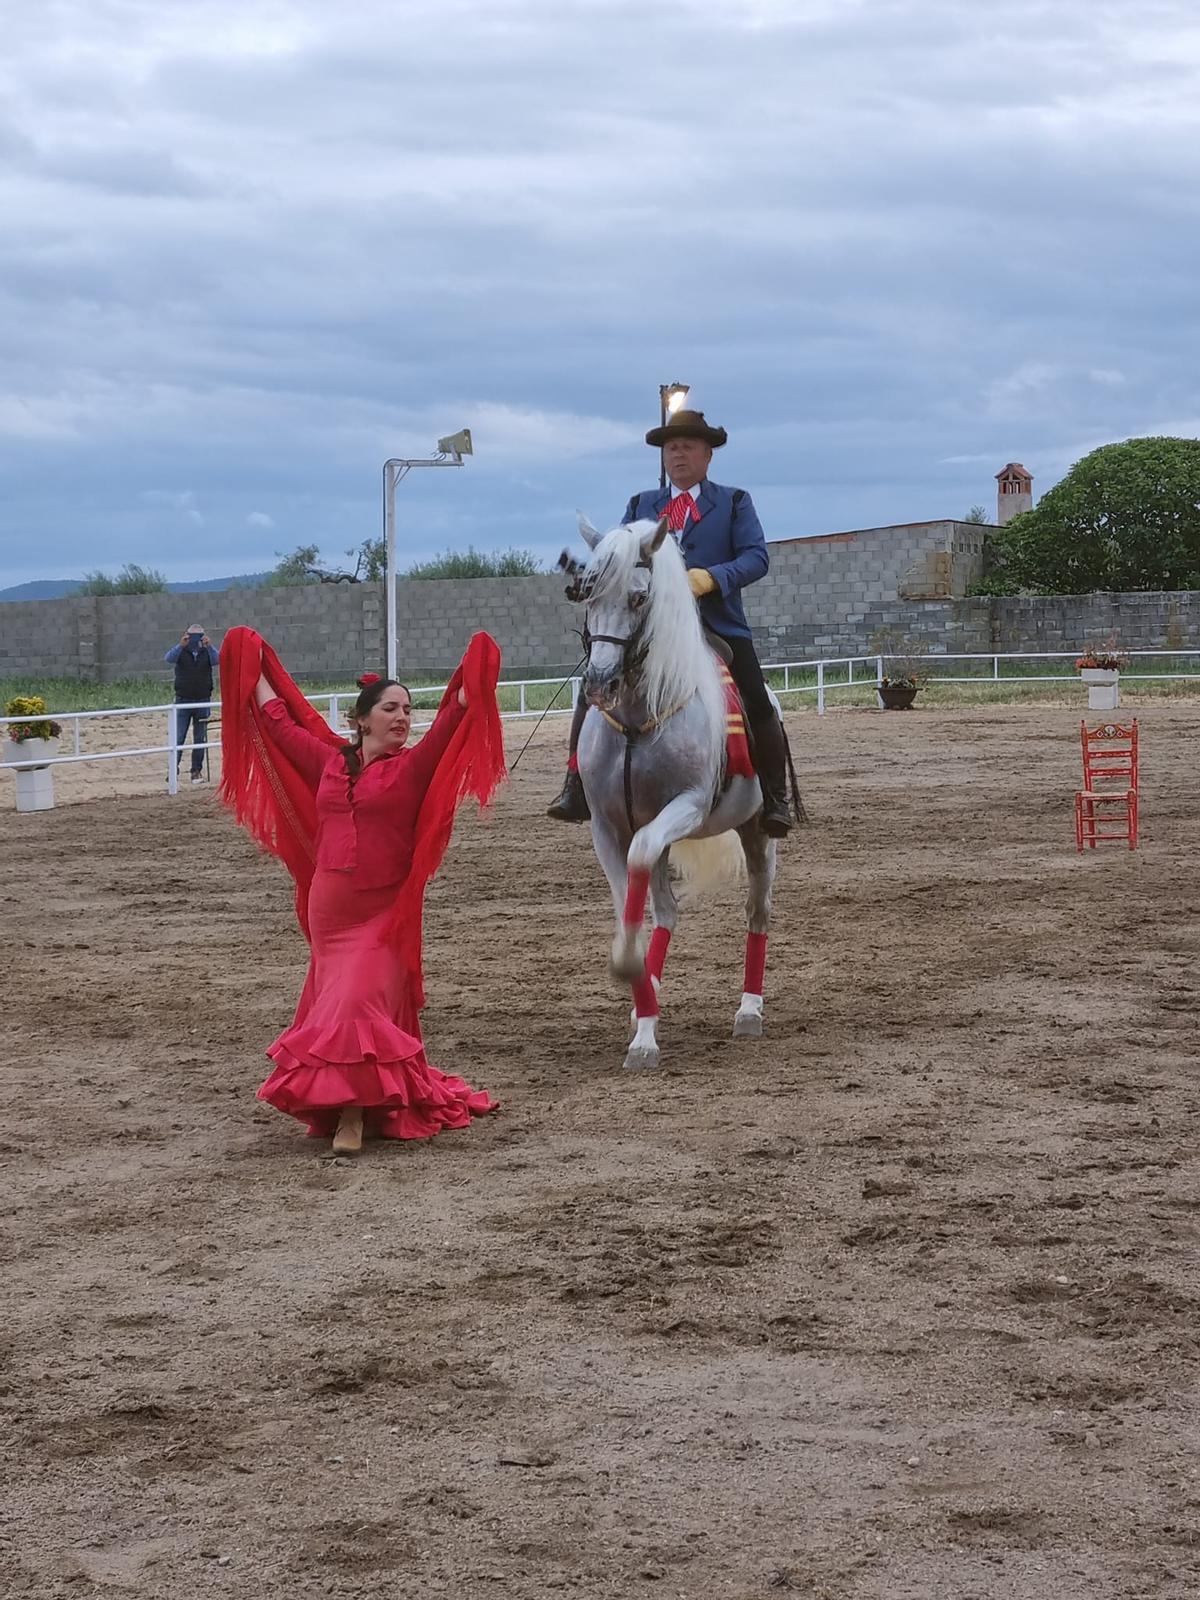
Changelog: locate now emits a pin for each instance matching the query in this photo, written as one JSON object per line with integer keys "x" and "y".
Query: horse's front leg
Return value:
{"x": 665, "y": 907}
{"x": 643, "y": 1052}
{"x": 679, "y": 818}
{"x": 760, "y": 868}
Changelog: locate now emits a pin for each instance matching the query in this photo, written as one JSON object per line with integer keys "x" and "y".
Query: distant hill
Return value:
{"x": 59, "y": 588}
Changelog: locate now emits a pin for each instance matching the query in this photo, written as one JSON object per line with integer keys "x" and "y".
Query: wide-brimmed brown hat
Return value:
{"x": 686, "y": 425}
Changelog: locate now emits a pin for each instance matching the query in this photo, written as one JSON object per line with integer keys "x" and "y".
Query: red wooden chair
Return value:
{"x": 1107, "y": 805}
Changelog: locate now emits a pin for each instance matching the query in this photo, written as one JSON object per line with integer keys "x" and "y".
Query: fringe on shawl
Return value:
{"x": 472, "y": 764}
{"x": 273, "y": 801}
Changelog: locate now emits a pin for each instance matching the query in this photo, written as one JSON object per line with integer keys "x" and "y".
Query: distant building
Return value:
{"x": 1014, "y": 492}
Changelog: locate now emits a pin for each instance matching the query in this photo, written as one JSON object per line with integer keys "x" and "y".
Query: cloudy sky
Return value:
{"x": 250, "y": 248}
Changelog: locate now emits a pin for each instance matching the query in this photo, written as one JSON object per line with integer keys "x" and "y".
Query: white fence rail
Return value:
{"x": 830, "y": 675}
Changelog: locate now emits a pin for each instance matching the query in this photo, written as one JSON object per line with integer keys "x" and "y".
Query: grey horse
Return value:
{"x": 652, "y": 758}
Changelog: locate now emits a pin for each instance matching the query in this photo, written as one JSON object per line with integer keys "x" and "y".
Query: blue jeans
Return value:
{"x": 184, "y": 720}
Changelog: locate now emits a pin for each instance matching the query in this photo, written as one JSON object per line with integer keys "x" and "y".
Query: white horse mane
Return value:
{"x": 678, "y": 662}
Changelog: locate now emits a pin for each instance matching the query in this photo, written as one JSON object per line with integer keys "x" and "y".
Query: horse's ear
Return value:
{"x": 590, "y": 536}
{"x": 654, "y": 543}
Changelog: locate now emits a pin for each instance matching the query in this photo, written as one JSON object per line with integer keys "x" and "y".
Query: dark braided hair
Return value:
{"x": 370, "y": 692}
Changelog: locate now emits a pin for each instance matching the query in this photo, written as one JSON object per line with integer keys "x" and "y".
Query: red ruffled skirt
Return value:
{"x": 356, "y": 1037}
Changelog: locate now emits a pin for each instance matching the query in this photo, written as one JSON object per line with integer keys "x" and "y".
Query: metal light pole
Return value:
{"x": 450, "y": 453}
{"x": 671, "y": 397}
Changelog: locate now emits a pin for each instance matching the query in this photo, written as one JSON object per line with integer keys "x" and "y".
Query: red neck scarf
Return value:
{"x": 680, "y": 509}
{"x": 277, "y": 806}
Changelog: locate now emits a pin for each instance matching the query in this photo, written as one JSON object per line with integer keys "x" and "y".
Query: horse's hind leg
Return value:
{"x": 760, "y": 868}
{"x": 666, "y": 914}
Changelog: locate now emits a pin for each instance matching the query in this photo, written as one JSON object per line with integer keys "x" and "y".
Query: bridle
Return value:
{"x": 633, "y": 649}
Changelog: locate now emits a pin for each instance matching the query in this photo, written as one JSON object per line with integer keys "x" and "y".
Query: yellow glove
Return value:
{"x": 701, "y": 580}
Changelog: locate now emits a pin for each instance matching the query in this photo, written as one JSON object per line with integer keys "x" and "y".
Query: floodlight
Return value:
{"x": 671, "y": 397}
{"x": 451, "y": 451}
{"x": 457, "y": 444}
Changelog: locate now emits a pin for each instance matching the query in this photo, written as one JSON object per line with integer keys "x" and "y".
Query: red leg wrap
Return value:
{"x": 756, "y": 962}
{"x": 656, "y": 956}
{"x": 645, "y": 1001}
{"x": 635, "y": 898}
{"x": 572, "y": 762}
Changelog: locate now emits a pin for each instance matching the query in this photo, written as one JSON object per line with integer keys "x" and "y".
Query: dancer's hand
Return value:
{"x": 462, "y": 695}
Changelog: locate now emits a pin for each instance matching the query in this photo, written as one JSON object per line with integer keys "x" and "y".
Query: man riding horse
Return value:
{"x": 722, "y": 543}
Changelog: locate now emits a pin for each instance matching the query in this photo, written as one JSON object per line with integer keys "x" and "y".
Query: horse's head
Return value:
{"x": 615, "y": 588}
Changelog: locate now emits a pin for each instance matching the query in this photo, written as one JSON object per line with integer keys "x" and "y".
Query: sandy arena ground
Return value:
{"x": 899, "y": 1302}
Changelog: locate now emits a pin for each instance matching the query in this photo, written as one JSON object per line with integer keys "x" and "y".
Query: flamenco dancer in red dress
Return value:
{"x": 362, "y": 827}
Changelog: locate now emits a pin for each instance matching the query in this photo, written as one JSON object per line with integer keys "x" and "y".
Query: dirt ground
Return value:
{"x": 899, "y": 1301}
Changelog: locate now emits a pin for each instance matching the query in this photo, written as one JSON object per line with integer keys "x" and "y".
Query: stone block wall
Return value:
{"x": 53, "y": 638}
{"x": 827, "y": 596}
{"x": 822, "y": 597}
{"x": 321, "y": 631}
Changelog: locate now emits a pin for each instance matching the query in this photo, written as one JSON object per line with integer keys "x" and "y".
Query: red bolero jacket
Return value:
{"x": 365, "y": 825}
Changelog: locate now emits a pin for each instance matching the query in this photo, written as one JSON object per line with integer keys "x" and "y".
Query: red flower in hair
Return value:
{"x": 367, "y": 679}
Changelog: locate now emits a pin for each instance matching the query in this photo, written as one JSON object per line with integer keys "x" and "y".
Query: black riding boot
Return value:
{"x": 770, "y": 757}
{"x": 571, "y": 805}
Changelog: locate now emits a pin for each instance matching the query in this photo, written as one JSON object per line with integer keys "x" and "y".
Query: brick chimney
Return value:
{"x": 1015, "y": 492}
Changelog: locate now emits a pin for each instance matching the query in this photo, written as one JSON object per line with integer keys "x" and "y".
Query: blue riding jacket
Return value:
{"x": 728, "y": 541}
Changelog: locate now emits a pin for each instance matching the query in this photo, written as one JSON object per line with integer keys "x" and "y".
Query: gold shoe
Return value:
{"x": 347, "y": 1141}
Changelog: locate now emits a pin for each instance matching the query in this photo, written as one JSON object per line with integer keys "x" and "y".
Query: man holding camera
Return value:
{"x": 193, "y": 658}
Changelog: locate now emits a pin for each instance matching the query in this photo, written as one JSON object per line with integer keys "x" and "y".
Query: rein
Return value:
{"x": 578, "y": 666}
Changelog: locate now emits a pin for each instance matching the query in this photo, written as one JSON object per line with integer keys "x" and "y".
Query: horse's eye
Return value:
{"x": 637, "y": 600}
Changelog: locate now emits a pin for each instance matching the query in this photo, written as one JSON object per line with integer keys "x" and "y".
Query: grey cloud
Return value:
{"x": 128, "y": 171}
{"x": 852, "y": 226}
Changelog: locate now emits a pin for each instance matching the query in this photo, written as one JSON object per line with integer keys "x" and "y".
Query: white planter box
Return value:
{"x": 35, "y": 782}
{"x": 1104, "y": 687}
{"x": 26, "y": 750}
{"x": 35, "y": 788}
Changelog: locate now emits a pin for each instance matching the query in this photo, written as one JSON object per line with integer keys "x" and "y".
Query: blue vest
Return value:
{"x": 728, "y": 541}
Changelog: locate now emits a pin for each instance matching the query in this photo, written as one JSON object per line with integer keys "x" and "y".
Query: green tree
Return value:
{"x": 976, "y": 514}
{"x": 293, "y": 570}
{"x": 370, "y": 560}
{"x": 472, "y": 563}
{"x": 131, "y": 579}
{"x": 1127, "y": 516}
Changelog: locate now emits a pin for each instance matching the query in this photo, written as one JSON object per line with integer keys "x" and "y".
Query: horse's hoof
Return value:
{"x": 747, "y": 1025}
{"x": 628, "y": 966}
{"x": 642, "y": 1058}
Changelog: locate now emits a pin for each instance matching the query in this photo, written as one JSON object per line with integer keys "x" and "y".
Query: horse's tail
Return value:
{"x": 703, "y": 864}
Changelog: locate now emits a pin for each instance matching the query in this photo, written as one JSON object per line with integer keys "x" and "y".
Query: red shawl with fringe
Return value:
{"x": 277, "y": 805}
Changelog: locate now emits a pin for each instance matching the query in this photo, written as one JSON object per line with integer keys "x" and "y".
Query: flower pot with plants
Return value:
{"x": 1101, "y": 671}
{"x": 897, "y": 694}
{"x": 903, "y": 668}
{"x": 27, "y": 746}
